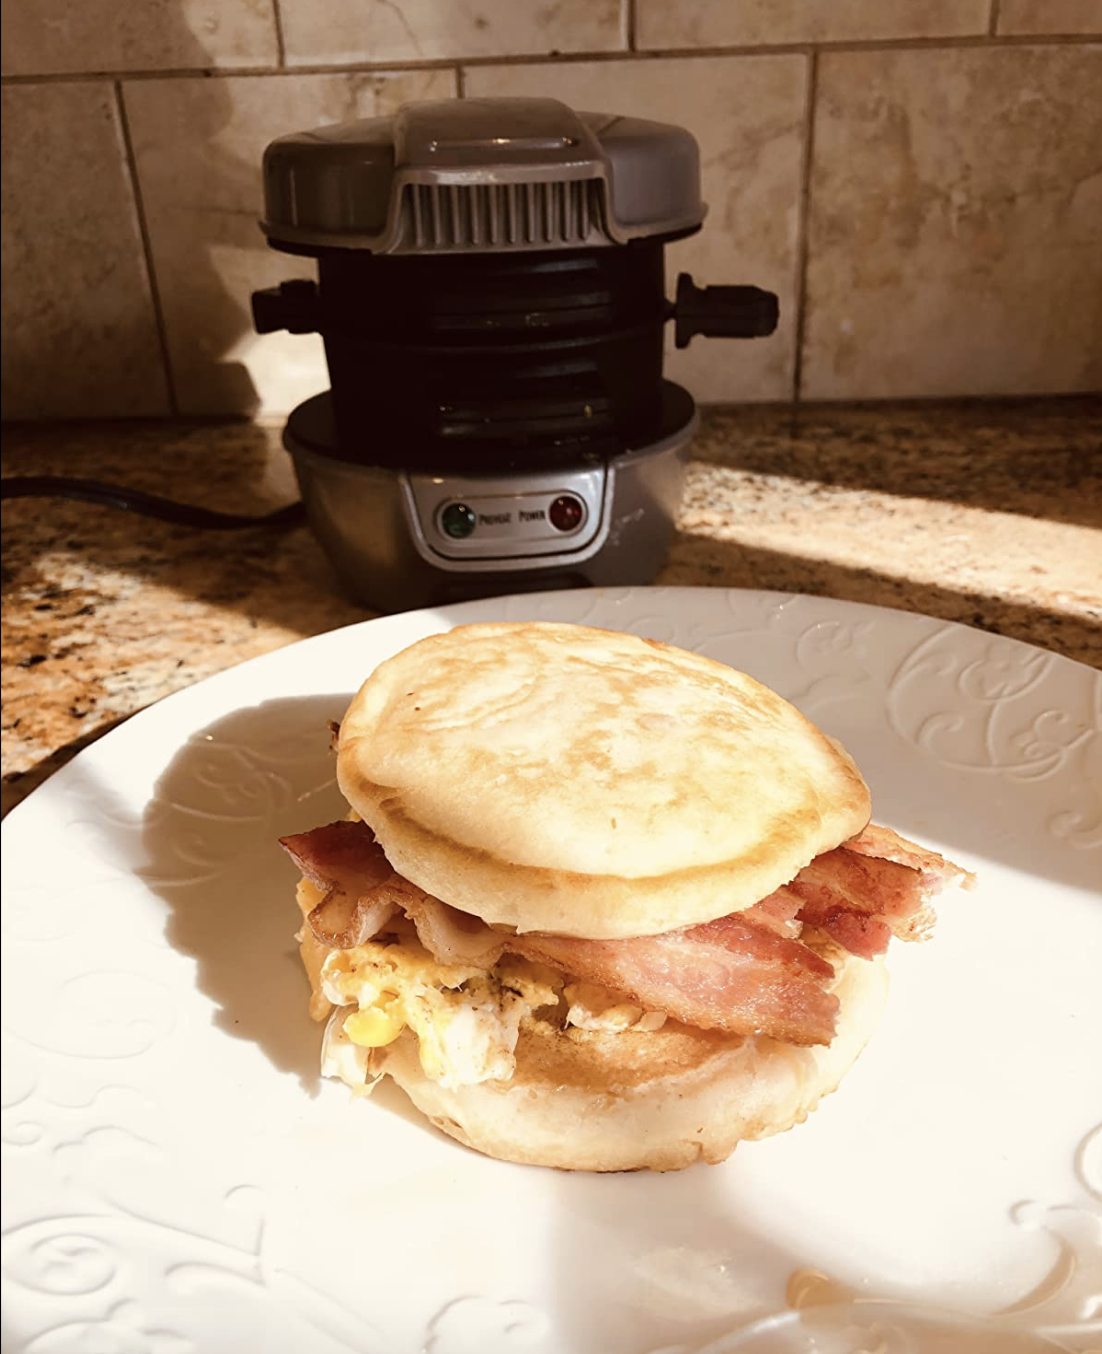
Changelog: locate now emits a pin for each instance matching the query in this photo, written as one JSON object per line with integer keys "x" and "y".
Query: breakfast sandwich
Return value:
{"x": 599, "y": 903}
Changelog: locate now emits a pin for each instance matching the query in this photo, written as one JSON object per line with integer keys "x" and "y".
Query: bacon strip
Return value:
{"x": 454, "y": 937}
{"x": 861, "y": 902}
{"x": 841, "y": 878}
{"x": 744, "y": 973}
{"x": 872, "y": 887}
{"x": 729, "y": 974}
{"x": 362, "y": 891}
{"x": 937, "y": 873}
{"x": 778, "y": 912}
{"x": 858, "y": 932}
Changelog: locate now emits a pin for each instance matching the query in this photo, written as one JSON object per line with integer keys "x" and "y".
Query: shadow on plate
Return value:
{"x": 210, "y": 835}
{"x": 680, "y": 1258}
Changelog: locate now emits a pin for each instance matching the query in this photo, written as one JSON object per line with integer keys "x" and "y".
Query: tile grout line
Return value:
{"x": 147, "y": 248}
{"x": 631, "y": 25}
{"x": 972, "y": 41}
{"x": 281, "y": 44}
{"x": 803, "y": 241}
{"x": 993, "y": 20}
{"x": 460, "y": 83}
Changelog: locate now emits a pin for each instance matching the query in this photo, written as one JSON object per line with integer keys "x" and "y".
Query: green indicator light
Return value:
{"x": 458, "y": 520}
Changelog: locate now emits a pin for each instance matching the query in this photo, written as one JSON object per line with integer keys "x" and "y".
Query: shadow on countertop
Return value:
{"x": 1039, "y": 458}
{"x": 268, "y": 575}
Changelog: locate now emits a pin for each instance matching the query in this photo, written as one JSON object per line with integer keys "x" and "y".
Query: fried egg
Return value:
{"x": 597, "y": 1008}
{"x": 466, "y": 1019}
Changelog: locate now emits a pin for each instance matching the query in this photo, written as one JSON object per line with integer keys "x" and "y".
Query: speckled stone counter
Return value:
{"x": 990, "y": 514}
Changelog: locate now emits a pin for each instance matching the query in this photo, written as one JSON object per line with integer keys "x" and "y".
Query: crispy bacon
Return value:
{"x": 858, "y": 932}
{"x": 362, "y": 891}
{"x": 454, "y": 937}
{"x": 743, "y": 973}
{"x": 872, "y": 887}
{"x": 881, "y": 888}
{"x": 729, "y": 974}
{"x": 861, "y": 902}
{"x": 778, "y": 912}
{"x": 937, "y": 872}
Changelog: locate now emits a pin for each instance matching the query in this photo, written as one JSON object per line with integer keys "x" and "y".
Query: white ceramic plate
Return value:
{"x": 178, "y": 1180}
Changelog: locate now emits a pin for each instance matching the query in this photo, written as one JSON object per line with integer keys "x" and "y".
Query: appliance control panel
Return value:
{"x": 508, "y": 518}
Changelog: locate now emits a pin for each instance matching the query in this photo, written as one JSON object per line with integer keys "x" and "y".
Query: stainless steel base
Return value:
{"x": 381, "y": 528}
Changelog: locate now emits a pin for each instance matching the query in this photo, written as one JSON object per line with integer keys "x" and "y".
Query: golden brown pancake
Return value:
{"x": 583, "y": 782}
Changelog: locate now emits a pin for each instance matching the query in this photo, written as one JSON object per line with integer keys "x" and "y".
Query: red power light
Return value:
{"x": 566, "y": 513}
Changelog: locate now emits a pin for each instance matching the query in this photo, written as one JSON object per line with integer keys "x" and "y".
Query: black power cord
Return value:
{"x": 148, "y": 505}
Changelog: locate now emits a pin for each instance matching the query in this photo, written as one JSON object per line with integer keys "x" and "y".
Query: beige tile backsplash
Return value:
{"x": 1050, "y": 16}
{"x": 43, "y": 37}
{"x": 333, "y": 31}
{"x": 712, "y": 23}
{"x": 78, "y": 323}
{"x": 920, "y": 181}
{"x": 993, "y": 234}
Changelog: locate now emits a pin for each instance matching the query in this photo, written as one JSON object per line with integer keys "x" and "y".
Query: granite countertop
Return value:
{"x": 986, "y": 513}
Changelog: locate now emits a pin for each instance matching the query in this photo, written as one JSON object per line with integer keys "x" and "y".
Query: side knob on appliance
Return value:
{"x": 294, "y": 306}
{"x": 722, "y": 312}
